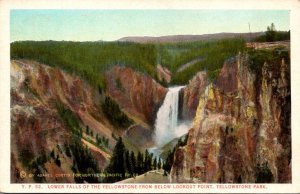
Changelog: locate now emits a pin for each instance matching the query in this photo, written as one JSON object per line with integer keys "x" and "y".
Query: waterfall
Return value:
{"x": 166, "y": 124}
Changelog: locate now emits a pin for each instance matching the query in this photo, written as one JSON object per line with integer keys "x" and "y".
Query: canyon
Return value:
{"x": 37, "y": 127}
{"x": 241, "y": 130}
{"x": 238, "y": 126}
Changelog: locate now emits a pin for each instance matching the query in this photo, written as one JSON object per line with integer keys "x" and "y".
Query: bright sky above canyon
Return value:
{"x": 108, "y": 25}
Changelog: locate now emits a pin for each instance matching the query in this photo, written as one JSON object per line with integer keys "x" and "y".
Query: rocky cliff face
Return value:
{"x": 190, "y": 95}
{"x": 138, "y": 95}
{"x": 36, "y": 126}
{"x": 241, "y": 130}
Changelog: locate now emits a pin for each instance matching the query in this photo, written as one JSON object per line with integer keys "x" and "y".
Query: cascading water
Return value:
{"x": 166, "y": 126}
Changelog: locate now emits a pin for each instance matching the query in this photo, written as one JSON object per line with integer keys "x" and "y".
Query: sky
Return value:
{"x": 109, "y": 25}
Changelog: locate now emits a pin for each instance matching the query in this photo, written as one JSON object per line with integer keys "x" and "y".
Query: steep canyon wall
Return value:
{"x": 241, "y": 130}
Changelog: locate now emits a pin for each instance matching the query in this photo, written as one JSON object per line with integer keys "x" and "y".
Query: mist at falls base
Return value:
{"x": 167, "y": 125}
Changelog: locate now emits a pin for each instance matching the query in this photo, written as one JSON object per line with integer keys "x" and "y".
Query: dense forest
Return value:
{"x": 87, "y": 59}
{"x": 90, "y": 59}
{"x": 124, "y": 164}
{"x": 210, "y": 55}
{"x": 114, "y": 113}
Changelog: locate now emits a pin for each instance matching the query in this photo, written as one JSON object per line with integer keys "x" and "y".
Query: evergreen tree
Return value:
{"x": 87, "y": 131}
{"x": 57, "y": 160}
{"x": 52, "y": 154}
{"x": 150, "y": 162}
{"x": 133, "y": 162}
{"x": 155, "y": 164}
{"x": 128, "y": 162}
{"x": 97, "y": 139}
{"x": 67, "y": 150}
{"x": 179, "y": 142}
{"x": 271, "y": 33}
{"x": 80, "y": 132}
{"x": 263, "y": 174}
{"x": 114, "y": 113}
{"x": 100, "y": 141}
{"x": 139, "y": 163}
{"x": 169, "y": 161}
{"x": 106, "y": 142}
{"x": 159, "y": 163}
{"x": 146, "y": 161}
{"x": 117, "y": 162}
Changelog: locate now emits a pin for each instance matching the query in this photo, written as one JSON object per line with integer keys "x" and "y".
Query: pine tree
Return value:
{"x": 87, "y": 130}
{"x": 97, "y": 139}
{"x": 106, "y": 142}
{"x": 263, "y": 174}
{"x": 57, "y": 160}
{"x": 150, "y": 162}
{"x": 117, "y": 162}
{"x": 169, "y": 161}
{"x": 133, "y": 162}
{"x": 128, "y": 162}
{"x": 52, "y": 154}
{"x": 271, "y": 33}
{"x": 140, "y": 163}
{"x": 146, "y": 163}
{"x": 155, "y": 164}
{"x": 80, "y": 132}
{"x": 159, "y": 163}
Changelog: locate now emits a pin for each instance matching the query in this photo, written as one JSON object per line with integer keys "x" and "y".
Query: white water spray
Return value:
{"x": 166, "y": 124}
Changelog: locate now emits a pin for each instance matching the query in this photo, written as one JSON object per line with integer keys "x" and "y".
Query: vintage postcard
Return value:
{"x": 150, "y": 97}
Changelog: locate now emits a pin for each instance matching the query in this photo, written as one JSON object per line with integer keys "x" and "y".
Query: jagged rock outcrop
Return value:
{"x": 190, "y": 95}
{"x": 36, "y": 126}
{"x": 241, "y": 131}
{"x": 137, "y": 94}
